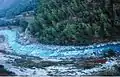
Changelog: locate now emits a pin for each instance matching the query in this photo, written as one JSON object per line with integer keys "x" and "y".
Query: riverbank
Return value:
{"x": 54, "y": 51}
{"x": 51, "y": 60}
{"x": 31, "y": 66}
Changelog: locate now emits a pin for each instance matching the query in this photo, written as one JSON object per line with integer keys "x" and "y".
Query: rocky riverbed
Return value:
{"x": 49, "y": 60}
{"x": 24, "y": 65}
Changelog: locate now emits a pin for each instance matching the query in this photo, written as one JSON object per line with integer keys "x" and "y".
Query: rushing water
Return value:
{"x": 20, "y": 65}
{"x": 47, "y": 51}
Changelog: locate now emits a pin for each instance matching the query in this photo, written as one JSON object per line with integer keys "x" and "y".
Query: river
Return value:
{"x": 48, "y": 51}
{"x": 53, "y": 52}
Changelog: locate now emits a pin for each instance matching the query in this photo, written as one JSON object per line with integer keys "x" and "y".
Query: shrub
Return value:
{"x": 23, "y": 24}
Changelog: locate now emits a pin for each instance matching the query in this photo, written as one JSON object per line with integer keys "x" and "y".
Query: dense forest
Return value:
{"x": 73, "y": 21}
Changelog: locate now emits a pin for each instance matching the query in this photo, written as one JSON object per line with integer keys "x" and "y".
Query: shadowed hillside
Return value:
{"x": 74, "y": 21}
{"x": 71, "y": 22}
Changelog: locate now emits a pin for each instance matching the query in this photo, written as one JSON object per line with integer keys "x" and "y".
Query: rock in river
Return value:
{"x": 4, "y": 72}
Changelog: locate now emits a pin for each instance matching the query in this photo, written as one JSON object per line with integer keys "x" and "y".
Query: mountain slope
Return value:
{"x": 15, "y": 7}
{"x": 74, "y": 22}
{"x": 4, "y": 4}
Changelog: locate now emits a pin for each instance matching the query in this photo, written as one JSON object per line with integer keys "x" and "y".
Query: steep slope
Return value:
{"x": 76, "y": 21}
{"x": 71, "y": 22}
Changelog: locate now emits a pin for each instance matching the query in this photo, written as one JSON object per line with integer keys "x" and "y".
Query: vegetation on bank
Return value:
{"x": 71, "y": 21}
{"x": 68, "y": 22}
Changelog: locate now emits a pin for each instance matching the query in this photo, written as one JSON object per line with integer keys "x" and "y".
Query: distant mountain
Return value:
{"x": 1, "y": 1}
{"x": 10, "y": 8}
{"x": 4, "y": 4}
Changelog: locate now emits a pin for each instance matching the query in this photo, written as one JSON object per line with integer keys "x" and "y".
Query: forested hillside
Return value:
{"x": 66, "y": 22}
{"x": 73, "y": 21}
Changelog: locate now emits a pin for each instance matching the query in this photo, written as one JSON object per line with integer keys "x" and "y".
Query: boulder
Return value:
{"x": 91, "y": 63}
{"x": 4, "y": 72}
{"x": 2, "y": 38}
{"x": 2, "y": 47}
{"x": 109, "y": 53}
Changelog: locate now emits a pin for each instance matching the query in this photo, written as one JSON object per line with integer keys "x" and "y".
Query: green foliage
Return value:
{"x": 70, "y": 21}
{"x": 23, "y": 24}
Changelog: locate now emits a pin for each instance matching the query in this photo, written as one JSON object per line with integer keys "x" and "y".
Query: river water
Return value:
{"x": 48, "y": 51}
{"x": 52, "y": 52}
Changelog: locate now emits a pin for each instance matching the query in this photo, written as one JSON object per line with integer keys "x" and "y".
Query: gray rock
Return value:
{"x": 2, "y": 38}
